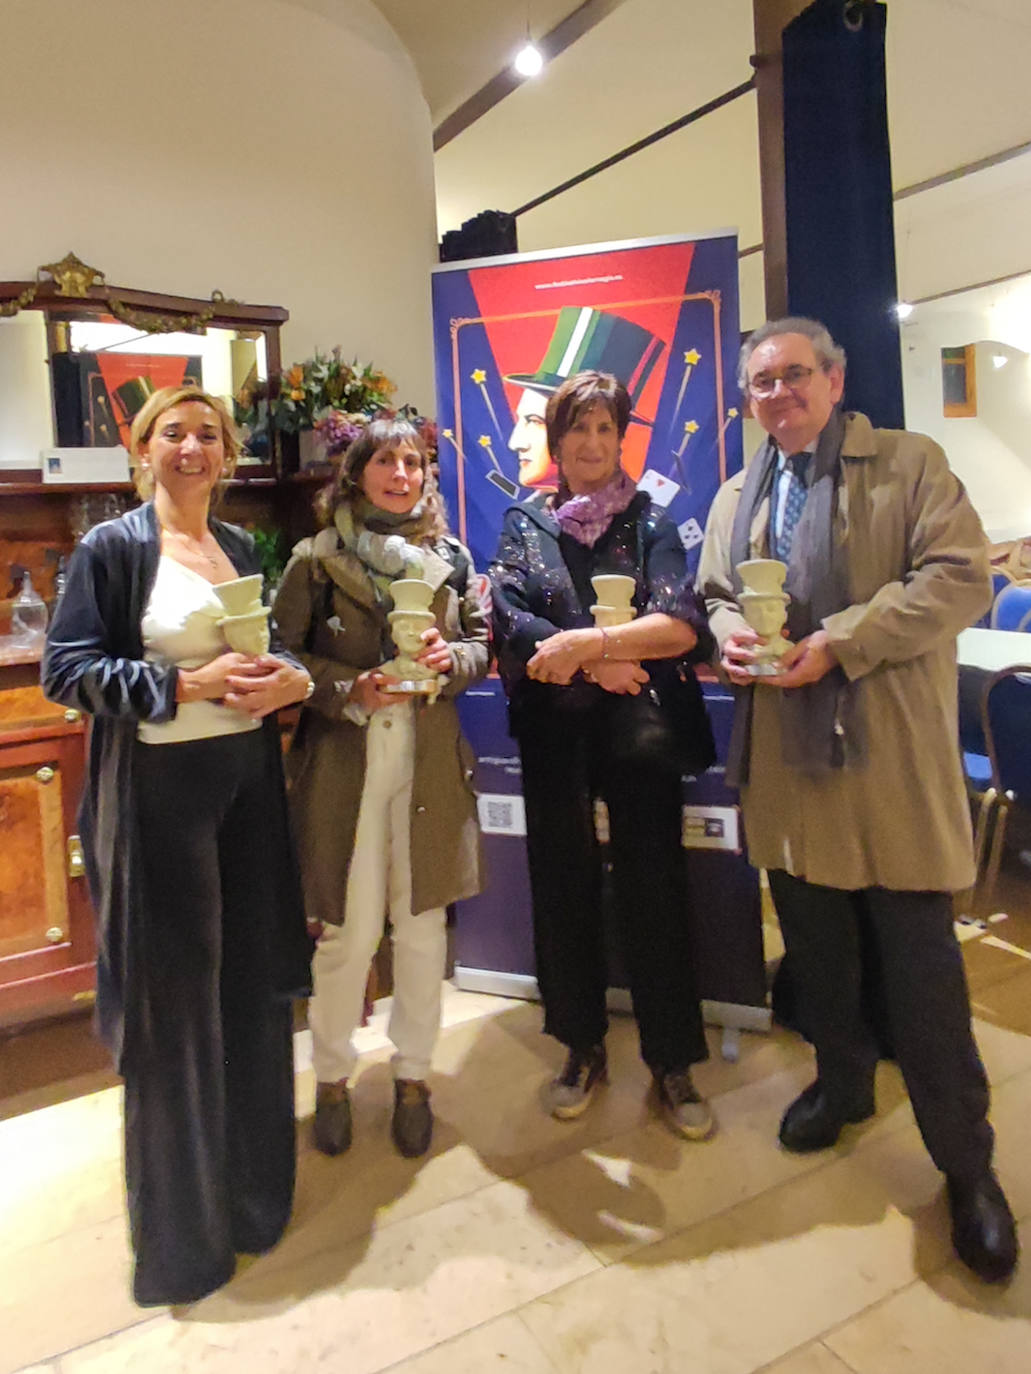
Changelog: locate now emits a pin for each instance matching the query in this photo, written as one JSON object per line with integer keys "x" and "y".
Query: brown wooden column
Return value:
{"x": 769, "y": 18}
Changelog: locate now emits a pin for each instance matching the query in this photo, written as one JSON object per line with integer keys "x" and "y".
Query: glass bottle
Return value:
{"x": 28, "y": 613}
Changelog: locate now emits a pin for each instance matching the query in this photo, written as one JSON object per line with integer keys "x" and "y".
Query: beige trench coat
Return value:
{"x": 918, "y": 574}
{"x": 327, "y": 614}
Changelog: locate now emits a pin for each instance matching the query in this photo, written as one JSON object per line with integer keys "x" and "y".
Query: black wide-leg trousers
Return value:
{"x": 925, "y": 997}
{"x": 208, "y": 1062}
{"x": 565, "y": 765}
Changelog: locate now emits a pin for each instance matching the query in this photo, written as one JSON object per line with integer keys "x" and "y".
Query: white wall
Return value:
{"x": 989, "y": 451}
{"x": 280, "y": 152}
{"x": 645, "y": 65}
{"x": 26, "y": 414}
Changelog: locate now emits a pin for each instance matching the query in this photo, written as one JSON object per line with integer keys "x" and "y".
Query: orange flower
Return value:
{"x": 296, "y": 395}
{"x": 296, "y": 377}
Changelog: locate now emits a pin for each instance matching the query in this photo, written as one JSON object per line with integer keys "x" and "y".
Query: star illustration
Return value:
{"x": 484, "y": 441}
{"x": 732, "y": 413}
{"x": 479, "y": 376}
{"x": 692, "y": 356}
{"x": 448, "y": 433}
{"x": 691, "y": 427}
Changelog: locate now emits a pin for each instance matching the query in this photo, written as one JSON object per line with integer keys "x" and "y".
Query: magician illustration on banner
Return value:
{"x": 660, "y": 314}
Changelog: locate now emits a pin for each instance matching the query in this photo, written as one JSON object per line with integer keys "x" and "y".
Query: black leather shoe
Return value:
{"x": 984, "y": 1235}
{"x": 814, "y": 1121}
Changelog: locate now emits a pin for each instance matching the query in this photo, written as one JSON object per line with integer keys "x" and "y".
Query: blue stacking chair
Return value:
{"x": 1012, "y": 608}
{"x": 1006, "y": 720}
{"x": 1000, "y": 580}
{"x": 977, "y": 768}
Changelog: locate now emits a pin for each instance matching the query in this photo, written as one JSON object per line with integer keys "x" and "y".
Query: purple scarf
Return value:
{"x": 587, "y": 517}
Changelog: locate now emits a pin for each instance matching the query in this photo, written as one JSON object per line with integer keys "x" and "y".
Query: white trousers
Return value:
{"x": 380, "y": 881}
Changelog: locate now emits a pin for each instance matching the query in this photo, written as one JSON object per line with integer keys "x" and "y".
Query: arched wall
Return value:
{"x": 278, "y": 151}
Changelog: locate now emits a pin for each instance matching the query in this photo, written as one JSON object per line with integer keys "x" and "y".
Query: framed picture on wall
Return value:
{"x": 959, "y": 382}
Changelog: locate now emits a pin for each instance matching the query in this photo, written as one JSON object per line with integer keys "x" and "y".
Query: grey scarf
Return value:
{"x": 822, "y": 726}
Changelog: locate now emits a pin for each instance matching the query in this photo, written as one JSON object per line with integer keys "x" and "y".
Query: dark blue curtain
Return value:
{"x": 840, "y": 223}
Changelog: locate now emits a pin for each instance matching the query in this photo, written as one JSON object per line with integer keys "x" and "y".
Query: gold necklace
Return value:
{"x": 210, "y": 558}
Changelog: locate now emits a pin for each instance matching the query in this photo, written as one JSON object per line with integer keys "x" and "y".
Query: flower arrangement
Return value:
{"x": 310, "y": 390}
{"x": 424, "y": 427}
{"x": 333, "y": 398}
{"x": 338, "y": 429}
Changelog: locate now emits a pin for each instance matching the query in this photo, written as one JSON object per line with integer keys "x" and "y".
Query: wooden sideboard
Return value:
{"x": 46, "y": 923}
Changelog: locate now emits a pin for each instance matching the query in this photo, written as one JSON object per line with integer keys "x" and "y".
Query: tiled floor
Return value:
{"x": 537, "y": 1247}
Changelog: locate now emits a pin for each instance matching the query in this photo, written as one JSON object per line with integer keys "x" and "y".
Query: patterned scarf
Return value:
{"x": 586, "y": 517}
{"x": 379, "y": 539}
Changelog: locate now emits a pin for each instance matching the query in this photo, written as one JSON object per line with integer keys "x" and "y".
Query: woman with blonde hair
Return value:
{"x": 381, "y": 778}
{"x": 201, "y": 938}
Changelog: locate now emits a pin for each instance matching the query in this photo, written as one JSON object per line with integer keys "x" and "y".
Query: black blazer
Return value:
{"x": 93, "y": 661}
{"x": 541, "y": 583}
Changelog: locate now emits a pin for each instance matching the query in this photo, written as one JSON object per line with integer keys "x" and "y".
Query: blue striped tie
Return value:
{"x": 794, "y": 503}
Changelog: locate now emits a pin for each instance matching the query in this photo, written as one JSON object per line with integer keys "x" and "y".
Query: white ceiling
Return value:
{"x": 458, "y": 45}
{"x": 957, "y": 92}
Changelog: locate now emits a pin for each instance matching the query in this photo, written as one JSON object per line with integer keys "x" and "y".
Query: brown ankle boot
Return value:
{"x": 332, "y": 1118}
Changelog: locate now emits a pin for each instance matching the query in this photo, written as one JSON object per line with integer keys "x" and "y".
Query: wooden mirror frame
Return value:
{"x": 73, "y": 290}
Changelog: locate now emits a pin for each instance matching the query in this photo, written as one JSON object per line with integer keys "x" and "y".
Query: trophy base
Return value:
{"x": 410, "y": 686}
{"x": 772, "y": 667}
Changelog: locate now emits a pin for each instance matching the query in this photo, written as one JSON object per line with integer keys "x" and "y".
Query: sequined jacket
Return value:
{"x": 541, "y": 580}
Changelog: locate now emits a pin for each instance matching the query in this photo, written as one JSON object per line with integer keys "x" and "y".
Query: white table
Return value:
{"x": 993, "y": 650}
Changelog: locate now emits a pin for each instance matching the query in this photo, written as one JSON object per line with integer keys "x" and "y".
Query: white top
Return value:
{"x": 180, "y": 626}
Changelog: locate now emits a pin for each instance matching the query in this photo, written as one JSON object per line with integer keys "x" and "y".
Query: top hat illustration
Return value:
{"x": 593, "y": 340}
{"x": 133, "y": 395}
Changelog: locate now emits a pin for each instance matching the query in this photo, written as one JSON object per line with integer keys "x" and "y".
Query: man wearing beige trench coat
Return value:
{"x": 847, "y": 757}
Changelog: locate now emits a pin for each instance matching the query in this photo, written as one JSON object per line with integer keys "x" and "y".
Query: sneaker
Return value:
{"x": 569, "y": 1094}
{"x": 683, "y": 1107}
{"x": 412, "y": 1125}
{"x": 332, "y": 1118}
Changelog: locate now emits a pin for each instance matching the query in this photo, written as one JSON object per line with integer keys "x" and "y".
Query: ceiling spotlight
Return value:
{"x": 529, "y": 60}
{"x": 903, "y": 309}
{"x": 999, "y": 360}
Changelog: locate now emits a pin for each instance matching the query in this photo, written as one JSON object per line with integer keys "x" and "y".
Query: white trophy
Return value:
{"x": 614, "y": 592}
{"x": 764, "y": 604}
{"x": 409, "y": 618}
{"x": 245, "y": 623}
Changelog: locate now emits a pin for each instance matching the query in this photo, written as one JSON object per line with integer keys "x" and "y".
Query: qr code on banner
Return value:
{"x": 710, "y": 827}
{"x": 500, "y": 814}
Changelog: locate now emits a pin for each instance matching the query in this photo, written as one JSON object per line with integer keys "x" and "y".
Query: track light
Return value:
{"x": 529, "y": 60}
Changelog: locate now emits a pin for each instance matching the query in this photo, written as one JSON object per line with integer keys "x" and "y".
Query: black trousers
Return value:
{"x": 925, "y": 997}
{"x": 209, "y": 1093}
{"x": 565, "y": 765}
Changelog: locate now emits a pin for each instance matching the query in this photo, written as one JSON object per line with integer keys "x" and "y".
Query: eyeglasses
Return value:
{"x": 795, "y": 378}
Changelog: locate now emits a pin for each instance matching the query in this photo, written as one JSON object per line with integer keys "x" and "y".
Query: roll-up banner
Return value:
{"x": 662, "y": 315}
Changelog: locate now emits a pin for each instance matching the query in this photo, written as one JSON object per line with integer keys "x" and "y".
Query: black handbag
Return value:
{"x": 665, "y": 727}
